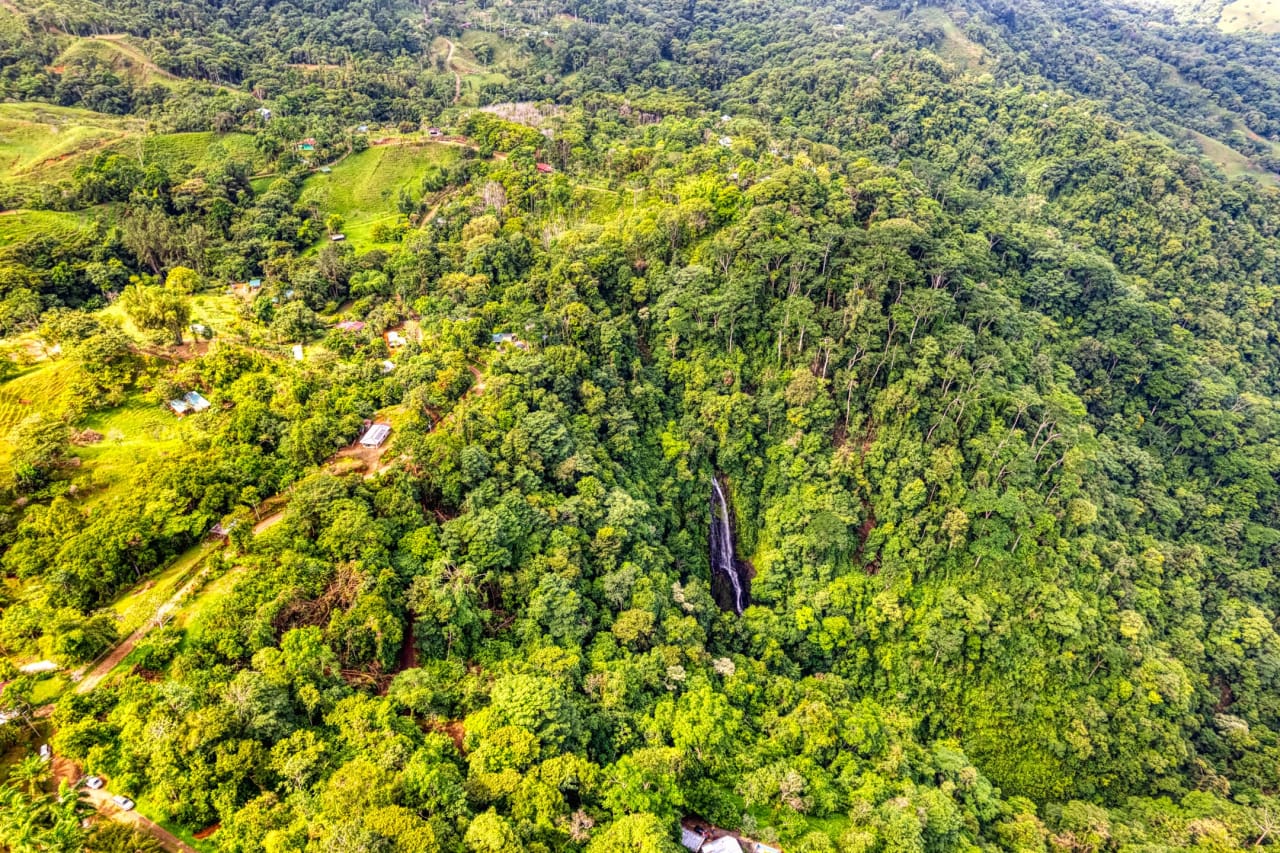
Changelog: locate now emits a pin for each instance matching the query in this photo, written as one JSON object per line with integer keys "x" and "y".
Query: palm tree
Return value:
{"x": 19, "y": 821}
{"x": 32, "y": 771}
{"x": 68, "y": 812}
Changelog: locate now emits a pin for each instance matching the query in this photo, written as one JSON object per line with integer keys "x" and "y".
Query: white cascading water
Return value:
{"x": 722, "y": 544}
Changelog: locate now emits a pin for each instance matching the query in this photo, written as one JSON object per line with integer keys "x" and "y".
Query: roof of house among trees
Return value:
{"x": 375, "y": 435}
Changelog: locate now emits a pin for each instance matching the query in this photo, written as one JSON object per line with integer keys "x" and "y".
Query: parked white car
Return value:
{"x": 94, "y": 782}
{"x": 123, "y": 802}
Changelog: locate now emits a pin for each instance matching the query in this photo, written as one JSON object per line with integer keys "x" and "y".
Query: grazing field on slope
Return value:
{"x": 39, "y": 142}
{"x": 136, "y": 432}
{"x": 956, "y": 47}
{"x": 39, "y": 390}
{"x": 42, "y": 144}
{"x": 19, "y": 225}
{"x": 1233, "y": 163}
{"x": 1255, "y": 15}
{"x": 123, "y": 58}
{"x": 363, "y": 189}
{"x": 201, "y": 150}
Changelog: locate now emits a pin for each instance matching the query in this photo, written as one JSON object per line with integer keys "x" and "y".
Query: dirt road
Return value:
{"x": 66, "y": 770}
{"x": 121, "y": 651}
{"x": 457, "y": 78}
{"x": 101, "y": 800}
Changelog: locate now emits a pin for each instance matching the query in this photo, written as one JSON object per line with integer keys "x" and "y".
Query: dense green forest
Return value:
{"x": 970, "y": 311}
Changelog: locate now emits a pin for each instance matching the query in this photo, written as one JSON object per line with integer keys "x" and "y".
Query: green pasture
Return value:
{"x": 364, "y": 187}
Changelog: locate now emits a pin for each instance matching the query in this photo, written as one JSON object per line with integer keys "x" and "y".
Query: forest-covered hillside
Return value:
{"x": 538, "y": 426}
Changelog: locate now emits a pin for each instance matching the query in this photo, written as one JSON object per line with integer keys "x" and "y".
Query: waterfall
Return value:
{"x": 723, "y": 560}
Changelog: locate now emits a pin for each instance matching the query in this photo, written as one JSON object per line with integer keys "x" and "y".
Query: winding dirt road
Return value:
{"x": 120, "y": 652}
{"x": 457, "y": 78}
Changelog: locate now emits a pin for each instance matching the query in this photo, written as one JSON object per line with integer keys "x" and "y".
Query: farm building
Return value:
{"x": 308, "y": 144}
{"x": 435, "y": 132}
{"x": 501, "y": 339}
{"x": 350, "y": 326}
{"x": 545, "y": 168}
{"x": 691, "y": 839}
{"x": 388, "y": 366}
{"x": 723, "y": 844}
{"x": 375, "y": 435}
{"x": 297, "y": 352}
{"x": 395, "y": 339}
{"x": 701, "y": 837}
{"x": 255, "y": 284}
{"x": 324, "y": 170}
{"x": 188, "y": 403}
{"x": 337, "y": 238}
{"x": 726, "y": 142}
{"x": 364, "y": 128}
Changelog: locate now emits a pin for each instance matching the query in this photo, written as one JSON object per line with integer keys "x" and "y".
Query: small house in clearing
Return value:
{"x": 691, "y": 839}
{"x": 350, "y": 326}
{"x": 188, "y": 403}
{"x": 723, "y": 844}
{"x": 375, "y": 435}
{"x": 298, "y": 354}
{"x": 395, "y": 340}
{"x": 435, "y": 132}
{"x": 700, "y": 836}
{"x": 545, "y": 168}
{"x": 501, "y": 339}
{"x": 308, "y": 144}
{"x": 255, "y": 284}
{"x": 388, "y": 366}
{"x": 337, "y": 238}
{"x": 726, "y": 142}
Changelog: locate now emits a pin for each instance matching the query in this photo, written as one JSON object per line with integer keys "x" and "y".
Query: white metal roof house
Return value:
{"x": 723, "y": 844}
{"x": 375, "y": 435}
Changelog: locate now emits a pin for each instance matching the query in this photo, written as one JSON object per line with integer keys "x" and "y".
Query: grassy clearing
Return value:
{"x": 363, "y": 188}
{"x": 19, "y": 225}
{"x": 125, "y": 60}
{"x": 39, "y": 389}
{"x": 215, "y": 310}
{"x": 200, "y": 150}
{"x": 213, "y": 592}
{"x": 40, "y": 142}
{"x": 137, "y": 432}
{"x": 141, "y": 603}
{"x": 1262, "y": 16}
{"x": 1232, "y": 162}
{"x": 49, "y": 689}
{"x": 956, "y": 47}
{"x": 503, "y": 54}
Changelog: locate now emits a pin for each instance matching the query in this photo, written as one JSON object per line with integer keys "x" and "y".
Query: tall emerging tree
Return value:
{"x": 157, "y": 309}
